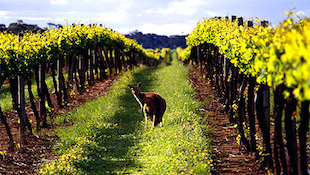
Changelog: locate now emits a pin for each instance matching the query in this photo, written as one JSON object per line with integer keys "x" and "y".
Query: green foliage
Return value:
{"x": 157, "y": 54}
{"x": 109, "y": 135}
{"x": 274, "y": 56}
{"x": 20, "y": 54}
{"x": 183, "y": 54}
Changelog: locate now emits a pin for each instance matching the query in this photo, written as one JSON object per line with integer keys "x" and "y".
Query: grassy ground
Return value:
{"x": 6, "y": 97}
{"x": 109, "y": 136}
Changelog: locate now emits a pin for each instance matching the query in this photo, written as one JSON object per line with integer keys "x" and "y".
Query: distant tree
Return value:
{"x": 157, "y": 41}
{"x": 51, "y": 25}
{"x": 20, "y": 26}
{"x": 16, "y": 27}
{"x": 20, "y": 21}
{"x": 2, "y": 27}
{"x": 133, "y": 33}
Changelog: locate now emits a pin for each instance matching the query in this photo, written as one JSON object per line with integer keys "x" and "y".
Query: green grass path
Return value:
{"x": 109, "y": 136}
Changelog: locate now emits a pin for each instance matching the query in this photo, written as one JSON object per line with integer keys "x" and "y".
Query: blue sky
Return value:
{"x": 165, "y": 17}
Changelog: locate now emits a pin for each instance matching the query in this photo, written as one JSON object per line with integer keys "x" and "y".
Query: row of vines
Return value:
{"x": 248, "y": 59}
{"x": 80, "y": 53}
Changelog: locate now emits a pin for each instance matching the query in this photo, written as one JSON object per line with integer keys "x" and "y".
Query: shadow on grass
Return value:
{"x": 116, "y": 149}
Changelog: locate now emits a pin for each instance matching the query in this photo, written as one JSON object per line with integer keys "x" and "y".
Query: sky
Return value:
{"x": 162, "y": 17}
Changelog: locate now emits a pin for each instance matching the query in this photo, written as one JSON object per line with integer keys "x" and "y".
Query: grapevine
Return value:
{"x": 272, "y": 55}
{"x": 237, "y": 56}
{"x": 19, "y": 54}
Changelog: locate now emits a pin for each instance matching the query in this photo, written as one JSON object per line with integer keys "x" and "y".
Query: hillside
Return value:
{"x": 158, "y": 41}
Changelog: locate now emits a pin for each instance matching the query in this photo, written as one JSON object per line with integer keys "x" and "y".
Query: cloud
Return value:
{"x": 36, "y": 18}
{"x": 112, "y": 16}
{"x": 212, "y": 13}
{"x": 119, "y": 13}
{"x": 58, "y": 2}
{"x": 168, "y": 29}
{"x": 173, "y": 16}
{"x": 186, "y": 8}
{"x": 4, "y": 15}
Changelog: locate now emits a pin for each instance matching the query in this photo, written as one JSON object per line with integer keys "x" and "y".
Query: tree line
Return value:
{"x": 155, "y": 41}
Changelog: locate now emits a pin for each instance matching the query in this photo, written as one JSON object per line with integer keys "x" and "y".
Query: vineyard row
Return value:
{"x": 244, "y": 60}
{"x": 85, "y": 53}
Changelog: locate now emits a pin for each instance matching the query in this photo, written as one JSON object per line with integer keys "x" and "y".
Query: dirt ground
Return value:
{"x": 26, "y": 158}
{"x": 230, "y": 158}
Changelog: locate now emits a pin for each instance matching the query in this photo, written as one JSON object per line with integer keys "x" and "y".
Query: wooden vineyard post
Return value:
{"x": 204, "y": 56}
{"x": 213, "y": 64}
{"x": 54, "y": 67}
{"x": 264, "y": 23}
{"x": 107, "y": 59}
{"x": 81, "y": 74}
{"x": 290, "y": 129}
{"x": 59, "y": 87}
{"x": 210, "y": 63}
{"x": 278, "y": 140}
{"x": 194, "y": 56}
{"x": 118, "y": 61}
{"x": 94, "y": 66}
{"x": 103, "y": 63}
{"x": 21, "y": 108}
{"x": 95, "y": 63}
{"x": 14, "y": 88}
{"x": 125, "y": 61}
{"x": 251, "y": 112}
{"x": 240, "y": 21}
{"x": 302, "y": 132}
{"x": 263, "y": 116}
{"x": 198, "y": 57}
{"x": 233, "y": 18}
{"x": 72, "y": 72}
{"x": 227, "y": 83}
{"x": 110, "y": 58}
{"x": 113, "y": 59}
{"x": 215, "y": 68}
{"x": 88, "y": 59}
{"x": 61, "y": 83}
{"x": 44, "y": 94}
{"x": 90, "y": 69}
{"x": 241, "y": 114}
{"x": 71, "y": 69}
{"x": 222, "y": 67}
{"x": 250, "y": 23}
{"x": 232, "y": 82}
{"x": 218, "y": 63}
{"x": 42, "y": 108}
{"x": 250, "y": 106}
